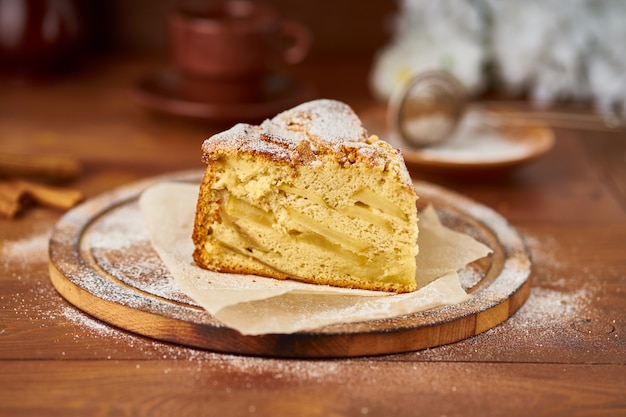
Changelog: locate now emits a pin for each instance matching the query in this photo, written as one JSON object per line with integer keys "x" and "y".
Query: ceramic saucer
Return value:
{"x": 484, "y": 142}
{"x": 162, "y": 91}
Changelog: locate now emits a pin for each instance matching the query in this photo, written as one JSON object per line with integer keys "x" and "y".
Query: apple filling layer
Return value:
{"x": 297, "y": 232}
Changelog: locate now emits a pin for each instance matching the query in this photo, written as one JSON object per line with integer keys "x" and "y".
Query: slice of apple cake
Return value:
{"x": 308, "y": 195}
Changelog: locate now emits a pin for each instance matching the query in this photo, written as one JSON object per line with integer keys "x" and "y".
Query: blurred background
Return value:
{"x": 535, "y": 49}
{"x": 340, "y": 27}
{"x": 69, "y": 69}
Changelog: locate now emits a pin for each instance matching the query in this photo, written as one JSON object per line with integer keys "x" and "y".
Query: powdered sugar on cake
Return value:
{"x": 327, "y": 122}
{"x": 325, "y": 126}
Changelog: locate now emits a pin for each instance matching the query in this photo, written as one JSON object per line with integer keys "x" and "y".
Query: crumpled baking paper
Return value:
{"x": 256, "y": 305}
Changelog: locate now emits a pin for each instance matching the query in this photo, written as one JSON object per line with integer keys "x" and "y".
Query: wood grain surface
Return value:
{"x": 563, "y": 353}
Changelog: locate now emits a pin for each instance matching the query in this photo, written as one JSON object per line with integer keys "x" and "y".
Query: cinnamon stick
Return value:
{"x": 47, "y": 168}
{"x": 17, "y": 195}
{"x": 12, "y": 199}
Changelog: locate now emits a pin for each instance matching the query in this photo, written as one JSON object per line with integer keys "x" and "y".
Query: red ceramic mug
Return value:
{"x": 234, "y": 39}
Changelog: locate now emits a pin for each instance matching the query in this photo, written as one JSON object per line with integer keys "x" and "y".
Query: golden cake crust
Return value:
{"x": 296, "y": 136}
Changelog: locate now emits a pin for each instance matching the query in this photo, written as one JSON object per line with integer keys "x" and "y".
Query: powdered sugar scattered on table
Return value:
{"x": 554, "y": 316}
{"x": 27, "y": 249}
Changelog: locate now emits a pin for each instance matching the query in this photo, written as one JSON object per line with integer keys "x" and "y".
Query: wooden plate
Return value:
{"x": 102, "y": 262}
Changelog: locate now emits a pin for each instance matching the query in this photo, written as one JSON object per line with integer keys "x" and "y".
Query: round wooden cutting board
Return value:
{"x": 101, "y": 261}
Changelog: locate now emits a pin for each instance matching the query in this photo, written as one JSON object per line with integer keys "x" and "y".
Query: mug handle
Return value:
{"x": 300, "y": 41}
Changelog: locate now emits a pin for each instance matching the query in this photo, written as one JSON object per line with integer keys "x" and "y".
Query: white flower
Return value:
{"x": 442, "y": 34}
{"x": 539, "y": 46}
{"x": 551, "y": 50}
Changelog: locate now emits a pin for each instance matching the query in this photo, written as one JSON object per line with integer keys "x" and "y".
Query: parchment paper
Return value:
{"x": 257, "y": 305}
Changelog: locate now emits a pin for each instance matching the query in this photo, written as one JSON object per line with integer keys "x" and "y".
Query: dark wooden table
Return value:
{"x": 562, "y": 353}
